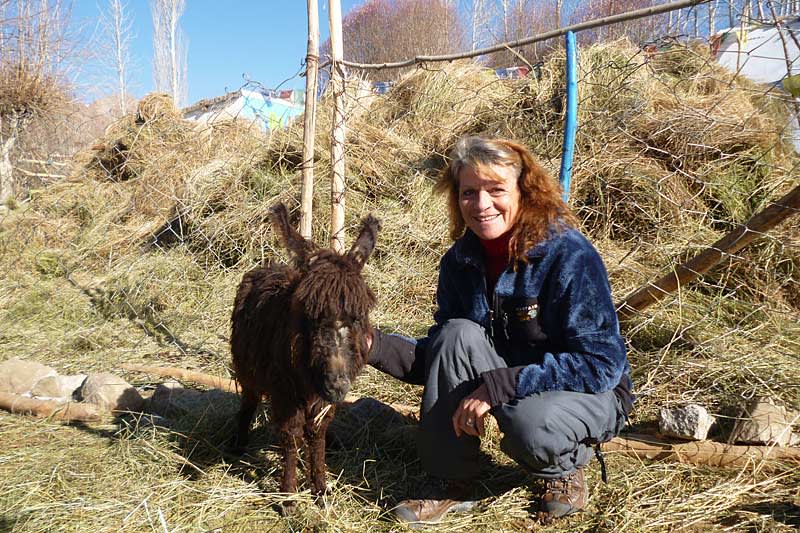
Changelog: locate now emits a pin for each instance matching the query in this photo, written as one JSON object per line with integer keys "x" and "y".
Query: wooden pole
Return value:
{"x": 731, "y": 243}
{"x": 65, "y": 412}
{"x": 338, "y": 134}
{"x": 703, "y": 452}
{"x": 182, "y": 374}
{"x": 310, "y": 120}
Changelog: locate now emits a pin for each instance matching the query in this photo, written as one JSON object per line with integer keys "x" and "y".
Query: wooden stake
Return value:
{"x": 182, "y": 374}
{"x": 730, "y": 244}
{"x": 66, "y": 412}
{"x": 698, "y": 453}
{"x": 338, "y": 74}
{"x": 310, "y": 120}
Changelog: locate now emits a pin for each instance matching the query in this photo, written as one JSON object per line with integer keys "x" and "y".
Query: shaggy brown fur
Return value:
{"x": 299, "y": 336}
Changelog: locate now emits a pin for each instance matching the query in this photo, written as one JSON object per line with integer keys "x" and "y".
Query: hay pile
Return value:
{"x": 135, "y": 258}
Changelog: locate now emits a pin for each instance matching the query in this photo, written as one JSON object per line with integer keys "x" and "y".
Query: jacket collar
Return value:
{"x": 468, "y": 251}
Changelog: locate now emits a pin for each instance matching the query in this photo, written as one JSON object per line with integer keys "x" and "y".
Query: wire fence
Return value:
{"x": 135, "y": 254}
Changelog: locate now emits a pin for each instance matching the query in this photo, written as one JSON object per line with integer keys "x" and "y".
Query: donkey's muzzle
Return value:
{"x": 334, "y": 388}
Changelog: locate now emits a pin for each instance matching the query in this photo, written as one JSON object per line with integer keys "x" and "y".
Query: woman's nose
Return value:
{"x": 483, "y": 200}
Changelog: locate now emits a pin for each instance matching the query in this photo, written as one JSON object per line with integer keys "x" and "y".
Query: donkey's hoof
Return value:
{"x": 287, "y": 508}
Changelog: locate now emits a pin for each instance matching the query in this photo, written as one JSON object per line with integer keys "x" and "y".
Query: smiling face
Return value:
{"x": 489, "y": 200}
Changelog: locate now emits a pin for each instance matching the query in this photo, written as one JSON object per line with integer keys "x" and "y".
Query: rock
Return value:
{"x": 19, "y": 377}
{"x": 691, "y": 422}
{"x": 60, "y": 387}
{"x": 794, "y": 440}
{"x": 110, "y": 392}
{"x": 763, "y": 422}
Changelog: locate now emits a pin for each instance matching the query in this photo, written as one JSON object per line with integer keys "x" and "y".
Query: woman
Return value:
{"x": 525, "y": 331}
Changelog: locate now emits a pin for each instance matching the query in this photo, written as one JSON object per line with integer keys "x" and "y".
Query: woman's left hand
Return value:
{"x": 468, "y": 418}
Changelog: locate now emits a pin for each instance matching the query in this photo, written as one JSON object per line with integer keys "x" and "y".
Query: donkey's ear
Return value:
{"x": 365, "y": 243}
{"x": 301, "y": 247}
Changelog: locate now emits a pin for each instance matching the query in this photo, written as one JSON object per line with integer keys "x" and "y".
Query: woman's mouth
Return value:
{"x": 486, "y": 218}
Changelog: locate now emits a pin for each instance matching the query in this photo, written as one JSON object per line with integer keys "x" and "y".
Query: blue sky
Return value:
{"x": 264, "y": 40}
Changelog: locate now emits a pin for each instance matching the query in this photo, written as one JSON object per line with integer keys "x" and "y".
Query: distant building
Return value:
{"x": 270, "y": 109}
{"x": 765, "y": 55}
{"x": 757, "y": 52}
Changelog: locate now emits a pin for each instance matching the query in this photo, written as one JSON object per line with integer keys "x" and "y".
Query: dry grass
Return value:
{"x": 135, "y": 258}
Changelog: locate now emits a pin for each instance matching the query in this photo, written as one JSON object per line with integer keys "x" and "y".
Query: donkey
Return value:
{"x": 299, "y": 336}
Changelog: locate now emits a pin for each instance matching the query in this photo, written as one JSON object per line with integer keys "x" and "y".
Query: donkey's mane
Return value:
{"x": 333, "y": 286}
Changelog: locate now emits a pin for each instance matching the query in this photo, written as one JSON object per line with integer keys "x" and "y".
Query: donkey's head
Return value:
{"x": 332, "y": 302}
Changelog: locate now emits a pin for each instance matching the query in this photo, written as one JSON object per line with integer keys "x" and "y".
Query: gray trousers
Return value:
{"x": 547, "y": 433}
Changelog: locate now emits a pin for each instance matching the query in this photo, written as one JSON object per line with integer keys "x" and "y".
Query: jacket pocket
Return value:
{"x": 522, "y": 316}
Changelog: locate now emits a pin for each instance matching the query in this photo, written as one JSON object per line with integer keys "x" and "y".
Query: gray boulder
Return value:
{"x": 762, "y": 421}
{"x": 691, "y": 422}
{"x": 19, "y": 377}
{"x": 110, "y": 392}
{"x": 58, "y": 387}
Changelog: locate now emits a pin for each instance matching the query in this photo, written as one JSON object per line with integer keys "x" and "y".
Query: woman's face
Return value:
{"x": 489, "y": 207}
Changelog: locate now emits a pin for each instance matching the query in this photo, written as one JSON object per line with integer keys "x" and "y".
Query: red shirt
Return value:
{"x": 495, "y": 253}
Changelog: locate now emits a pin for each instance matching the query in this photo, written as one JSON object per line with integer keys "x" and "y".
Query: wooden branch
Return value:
{"x": 731, "y": 243}
{"x": 69, "y": 411}
{"x": 698, "y": 453}
{"x": 183, "y": 374}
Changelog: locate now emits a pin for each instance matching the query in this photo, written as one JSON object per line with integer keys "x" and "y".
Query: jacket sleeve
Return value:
{"x": 397, "y": 356}
{"x": 591, "y": 355}
{"x": 404, "y": 358}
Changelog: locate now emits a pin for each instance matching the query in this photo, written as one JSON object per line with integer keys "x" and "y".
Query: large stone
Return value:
{"x": 762, "y": 421}
{"x": 110, "y": 392}
{"x": 19, "y": 377}
{"x": 691, "y": 422}
{"x": 58, "y": 387}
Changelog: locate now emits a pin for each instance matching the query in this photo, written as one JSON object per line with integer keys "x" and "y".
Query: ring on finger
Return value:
{"x": 470, "y": 423}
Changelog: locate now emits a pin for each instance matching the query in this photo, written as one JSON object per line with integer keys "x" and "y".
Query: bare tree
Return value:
{"x": 34, "y": 56}
{"x": 170, "y": 49}
{"x": 638, "y": 31}
{"x": 389, "y": 30}
{"x": 478, "y": 22}
{"x": 117, "y": 27}
{"x": 517, "y": 19}
{"x": 559, "y": 7}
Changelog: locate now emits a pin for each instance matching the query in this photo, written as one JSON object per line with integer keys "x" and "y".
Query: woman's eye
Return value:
{"x": 467, "y": 194}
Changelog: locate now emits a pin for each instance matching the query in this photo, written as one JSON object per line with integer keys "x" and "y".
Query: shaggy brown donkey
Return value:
{"x": 299, "y": 336}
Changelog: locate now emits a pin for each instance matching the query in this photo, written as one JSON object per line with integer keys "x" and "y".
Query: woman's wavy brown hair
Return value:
{"x": 541, "y": 208}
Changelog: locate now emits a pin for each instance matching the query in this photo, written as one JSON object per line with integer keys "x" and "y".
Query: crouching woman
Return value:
{"x": 525, "y": 330}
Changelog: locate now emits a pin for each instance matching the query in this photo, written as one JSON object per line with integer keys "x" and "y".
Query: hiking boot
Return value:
{"x": 438, "y": 497}
{"x": 564, "y": 496}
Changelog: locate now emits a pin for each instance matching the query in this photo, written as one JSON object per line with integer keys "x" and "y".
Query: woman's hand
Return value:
{"x": 468, "y": 418}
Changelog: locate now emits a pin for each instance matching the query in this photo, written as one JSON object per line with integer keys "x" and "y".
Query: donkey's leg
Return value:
{"x": 247, "y": 409}
{"x": 291, "y": 428}
{"x": 315, "y": 430}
